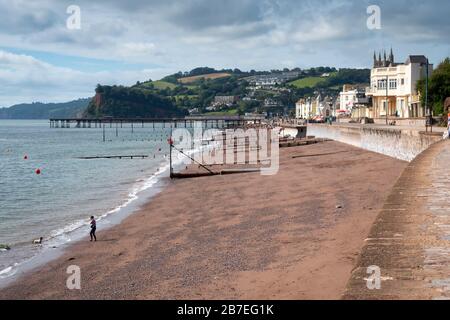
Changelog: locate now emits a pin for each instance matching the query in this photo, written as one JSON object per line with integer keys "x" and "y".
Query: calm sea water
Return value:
{"x": 58, "y": 202}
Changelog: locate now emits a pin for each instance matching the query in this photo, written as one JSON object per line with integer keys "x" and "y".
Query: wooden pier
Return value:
{"x": 187, "y": 122}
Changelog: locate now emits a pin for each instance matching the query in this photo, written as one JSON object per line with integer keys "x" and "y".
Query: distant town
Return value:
{"x": 390, "y": 89}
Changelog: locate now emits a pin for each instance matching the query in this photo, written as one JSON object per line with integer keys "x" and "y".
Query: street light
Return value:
{"x": 430, "y": 112}
{"x": 387, "y": 99}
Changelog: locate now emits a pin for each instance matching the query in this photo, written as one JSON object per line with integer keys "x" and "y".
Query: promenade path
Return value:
{"x": 410, "y": 240}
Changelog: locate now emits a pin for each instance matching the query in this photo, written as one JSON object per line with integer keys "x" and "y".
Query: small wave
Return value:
{"x": 63, "y": 235}
{"x": 8, "y": 272}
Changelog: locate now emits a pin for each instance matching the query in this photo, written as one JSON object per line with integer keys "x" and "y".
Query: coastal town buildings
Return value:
{"x": 393, "y": 86}
{"x": 353, "y": 100}
{"x": 272, "y": 80}
{"x": 314, "y": 107}
{"x": 222, "y": 101}
{"x": 225, "y": 100}
{"x": 303, "y": 108}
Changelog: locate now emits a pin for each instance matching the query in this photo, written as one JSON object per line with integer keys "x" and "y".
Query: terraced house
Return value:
{"x": 393, "y": 86}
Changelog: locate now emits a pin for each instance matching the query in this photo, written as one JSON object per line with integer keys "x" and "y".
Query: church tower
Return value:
{"x": 391, "y": 57}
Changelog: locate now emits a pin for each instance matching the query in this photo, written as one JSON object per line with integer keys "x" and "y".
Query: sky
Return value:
{"x": 122, "y": 42}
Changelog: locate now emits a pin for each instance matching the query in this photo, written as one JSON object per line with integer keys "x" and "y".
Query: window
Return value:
{"x": 393, "y": 84}
{"x": 402, "y": 81}
{"x": 381, "y": 84}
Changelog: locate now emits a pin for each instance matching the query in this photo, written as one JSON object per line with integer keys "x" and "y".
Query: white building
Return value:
{"x": 393, "y": 86}
{"x": 350, "y": 98}
{"x": 303, "y": 108}
{"x": 309, "y": 108}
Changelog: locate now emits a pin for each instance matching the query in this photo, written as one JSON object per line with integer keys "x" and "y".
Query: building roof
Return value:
{"x": 416, "y": 59}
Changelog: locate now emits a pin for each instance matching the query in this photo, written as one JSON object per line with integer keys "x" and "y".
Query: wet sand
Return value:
{"x": 295, "y": 235}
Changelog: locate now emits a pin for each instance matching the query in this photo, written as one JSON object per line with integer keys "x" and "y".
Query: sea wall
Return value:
{"x": 403, "y": 144}
{"x": 412, "y": 122}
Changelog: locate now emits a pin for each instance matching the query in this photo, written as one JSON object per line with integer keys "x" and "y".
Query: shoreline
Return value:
{"x": 186, "y": 244}
{"x": 54, "y": 249}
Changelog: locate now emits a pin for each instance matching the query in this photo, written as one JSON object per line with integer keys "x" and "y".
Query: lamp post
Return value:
{"x": 430, "y": 112}
{"x": 387, "y": 99}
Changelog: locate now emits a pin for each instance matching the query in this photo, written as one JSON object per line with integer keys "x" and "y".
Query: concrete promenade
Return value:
{"x": 410, "y": 240}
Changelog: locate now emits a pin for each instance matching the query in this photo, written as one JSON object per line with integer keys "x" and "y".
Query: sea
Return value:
{"x": 56, "y": 203}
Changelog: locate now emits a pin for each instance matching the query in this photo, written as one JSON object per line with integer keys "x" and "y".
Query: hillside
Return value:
{"x": 38, "y": 110}
{"x": 335, "y": 81}
{"x": 195, "y": 91}
{"x": 212, "y": 76}
{"x": 130, "y": 102}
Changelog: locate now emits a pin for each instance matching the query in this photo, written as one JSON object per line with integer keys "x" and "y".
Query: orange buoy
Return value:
{"x": 38, "y": 171}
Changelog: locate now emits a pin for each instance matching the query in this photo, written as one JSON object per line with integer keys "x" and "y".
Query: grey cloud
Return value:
{"x": 249, "y": 34}
{"x": 23, "y": 19}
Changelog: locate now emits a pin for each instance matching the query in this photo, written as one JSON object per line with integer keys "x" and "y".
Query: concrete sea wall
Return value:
{"x": 403, "y": 144}
{"x": 409, "y": 241}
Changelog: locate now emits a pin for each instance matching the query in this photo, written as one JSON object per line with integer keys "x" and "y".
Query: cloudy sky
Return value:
{"x": 121, "y": 42}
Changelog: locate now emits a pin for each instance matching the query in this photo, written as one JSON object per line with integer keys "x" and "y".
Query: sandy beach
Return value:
{"x": 294, "y": 235}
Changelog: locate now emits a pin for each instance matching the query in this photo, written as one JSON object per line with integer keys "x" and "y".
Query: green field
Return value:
{"x": 161, "y": 85}
{"x": 184, "y": 96}
{"x": 310, "y": 82}
{"x": 231, "y": 112}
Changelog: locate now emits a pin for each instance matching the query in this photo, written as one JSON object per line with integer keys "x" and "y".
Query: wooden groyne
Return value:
{"x": 114, "y": 157}
{"x": 188, "y": 175}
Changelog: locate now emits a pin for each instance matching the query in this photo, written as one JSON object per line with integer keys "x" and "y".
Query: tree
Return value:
{"x": 438, "y": 87}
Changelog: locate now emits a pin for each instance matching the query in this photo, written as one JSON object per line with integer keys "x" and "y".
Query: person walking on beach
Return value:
{"x": 93, "y": 228}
